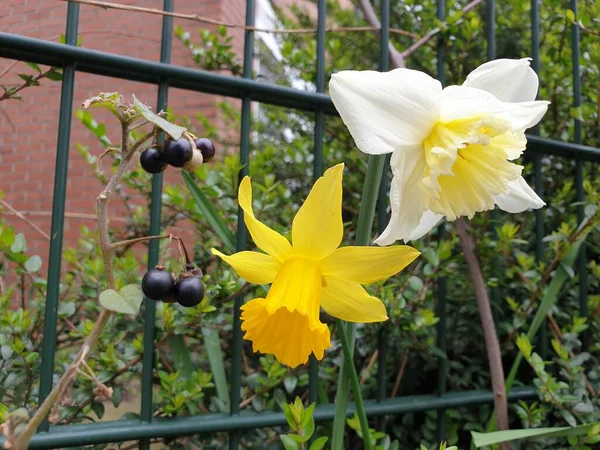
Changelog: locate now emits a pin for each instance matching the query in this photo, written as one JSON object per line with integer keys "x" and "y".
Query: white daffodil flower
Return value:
{"x": 452, "y": 148}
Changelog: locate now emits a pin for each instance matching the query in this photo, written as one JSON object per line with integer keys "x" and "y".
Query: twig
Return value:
{"x": 371, "y": 18}
{"x": 367, "y": 371}
{"x": 425, "y": 39}
{"x": 31, "y": 82}
{"x": 197, "y": 18}
{"x": 585, "y": 29}
{"x": 67, "y": 214}
{"x": 141, "y": 239}
{"x": 489, "y": 330}
{"x": 22, "y": 217}
{"x": 22, "y": 440}
{"x": 400, "y": 374}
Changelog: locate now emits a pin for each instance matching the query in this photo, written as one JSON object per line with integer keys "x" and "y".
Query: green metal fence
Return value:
{"x": 75, "y": 59}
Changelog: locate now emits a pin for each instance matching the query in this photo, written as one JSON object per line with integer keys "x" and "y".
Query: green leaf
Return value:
{"x": 25, "y": 77}
{"x": 289, "y": 443}
{"x": 175, "y": 131}
{"x": 319, "y": 443}
{"x": 570, "y": 15}
{"x": 207, "y": 208}
{"x": 290, "y": 383}
{"x": 19, "y": 245}
{"x": 289, "y": 416}
{"x": 31, "y": 357}
{"x": 485, "y": 439}
{"x": 212, "y": 344}
{"x": 181, "y": 356}
{"x": 34, "y": 66}
{"x": 3, "y": 412}
{"x": 54, "y": 75}
{"x": 98, "y": 409}
{"x": 7, "y": 237}
{"x": 117, "y": 396}
{"x": 127, "y": 301}
{"x": 33, "y": 264}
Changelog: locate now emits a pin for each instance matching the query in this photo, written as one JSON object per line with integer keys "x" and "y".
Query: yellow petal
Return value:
{"x": 254, "y": 267}
{"x": 265, "y": 238}
{"x": 349, "y": 301}
{"x": 317, "y": 229}
{"x": 283, "y": 333}
{"x": 367, "y": 264}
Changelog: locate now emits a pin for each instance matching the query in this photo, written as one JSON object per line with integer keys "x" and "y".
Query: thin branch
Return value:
{"x": 425, "y": 39}
{"x": 492, "y": 345}
{"x": 22, "y": 217}
{"x": 367, "y": 372}
{"x": 22, "y": 440}
{"x": 371, "y": 18}
{"x": 67, "y": 214}
{"x": 201, "y": 19}
{"x": 33, "y": 81}
{"x": 400, "y": 374}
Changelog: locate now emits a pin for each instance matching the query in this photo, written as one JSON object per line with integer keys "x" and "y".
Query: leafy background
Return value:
{"x": 193, "y": 347}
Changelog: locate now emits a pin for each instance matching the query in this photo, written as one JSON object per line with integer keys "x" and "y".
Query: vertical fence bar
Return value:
{"x": 236, "y": 351}
{"x": 313, "y": 368}
{"x": 58, "y": 212}
{"x": 154, "y": 245}
{"x": 442, "y": 362}
{"x": 537, "y": 165}
{"x": 580, "y": 192}
{"x": 382, "y": 215}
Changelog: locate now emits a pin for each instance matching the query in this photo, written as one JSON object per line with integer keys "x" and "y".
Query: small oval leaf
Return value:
{"x": 111, "y": 300}
{"x": 33, "y": 264}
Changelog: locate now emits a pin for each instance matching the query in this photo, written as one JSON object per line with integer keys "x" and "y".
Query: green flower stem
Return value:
{"x": 358, "y": 400}
{"x": 363, "y": 237}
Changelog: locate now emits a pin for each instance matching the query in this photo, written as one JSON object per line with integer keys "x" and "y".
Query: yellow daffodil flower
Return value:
{"x": 308, "y": 274}
{"x": 452, "y": 149}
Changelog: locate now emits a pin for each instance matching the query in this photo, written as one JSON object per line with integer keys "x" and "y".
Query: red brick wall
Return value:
{"x": 28, "y": 128}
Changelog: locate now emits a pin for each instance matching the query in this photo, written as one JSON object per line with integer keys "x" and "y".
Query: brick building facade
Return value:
{"x": 28, "y": 128}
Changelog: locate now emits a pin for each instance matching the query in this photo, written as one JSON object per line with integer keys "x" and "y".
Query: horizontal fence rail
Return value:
{"x": 135, "y": 69}
{"x": 77, "y": 59}
{"x": 126, "y": 430}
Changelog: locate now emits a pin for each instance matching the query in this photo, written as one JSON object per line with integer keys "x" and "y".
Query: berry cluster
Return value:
{"x": 188, "y": 290}
{"x": 177, "y": 153}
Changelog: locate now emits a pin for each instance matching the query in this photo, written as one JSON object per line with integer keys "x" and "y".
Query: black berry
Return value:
{"x": 177, "y": 153}
{"x": 206, "y": 147}
{"x": 152, "y": 160}
{"x": 189, "y": 291}
{"x": 157, "y": 284}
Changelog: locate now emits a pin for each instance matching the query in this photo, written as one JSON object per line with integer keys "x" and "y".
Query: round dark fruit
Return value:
{"x": 178, "y": 152}
{"x": 152, "y": 160}
{"x": 189, "y": 291}
{"x": 206, "y": 147}
{"x": 157, "y": 284}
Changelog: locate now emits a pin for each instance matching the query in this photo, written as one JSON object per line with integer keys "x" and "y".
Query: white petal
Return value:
{"x": 408, "y": 205}
{"x": 428, "y": 220}
{"x": 520, "y": 198}
{"x": 510, "y": 80}
{"x": 461, "y": 102}
{"x": 384, "y": 110}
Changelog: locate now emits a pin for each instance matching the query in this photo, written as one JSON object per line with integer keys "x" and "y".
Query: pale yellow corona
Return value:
{"x": 309, "y": 274}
